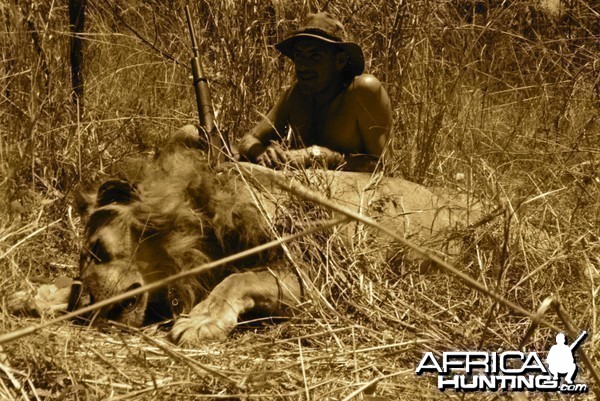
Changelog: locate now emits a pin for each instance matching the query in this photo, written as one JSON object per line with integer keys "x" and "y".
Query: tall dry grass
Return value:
{"x": 499, "y": 101}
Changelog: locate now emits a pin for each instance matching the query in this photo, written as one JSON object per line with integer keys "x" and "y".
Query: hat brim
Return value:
{"x": 356, "y": 59}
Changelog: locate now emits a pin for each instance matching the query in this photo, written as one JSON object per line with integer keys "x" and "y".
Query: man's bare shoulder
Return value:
{"x": 365, "y": 84}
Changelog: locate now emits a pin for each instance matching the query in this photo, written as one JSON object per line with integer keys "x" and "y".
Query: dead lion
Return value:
{"x": 183, "y": 215}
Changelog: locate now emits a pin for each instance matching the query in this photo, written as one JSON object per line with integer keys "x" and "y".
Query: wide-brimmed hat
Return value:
{"x": 324, "y": 27}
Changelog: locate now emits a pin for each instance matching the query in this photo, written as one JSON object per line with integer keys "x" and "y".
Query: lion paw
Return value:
{"x": 204, "y": 324}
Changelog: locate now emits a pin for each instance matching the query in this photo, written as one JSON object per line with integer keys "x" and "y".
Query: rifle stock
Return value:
{"x": 215, "y": 145}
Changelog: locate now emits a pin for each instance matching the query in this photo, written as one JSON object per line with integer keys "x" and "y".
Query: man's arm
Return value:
{"x": 261, "y": 145}
{"x": 374, "y": 113}
{"x": 269, "y": 128}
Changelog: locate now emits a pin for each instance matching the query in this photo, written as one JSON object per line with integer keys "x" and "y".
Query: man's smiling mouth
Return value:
{"x": 306, "y": 75}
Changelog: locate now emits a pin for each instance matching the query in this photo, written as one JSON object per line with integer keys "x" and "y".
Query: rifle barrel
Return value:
{"x": 191, "y": 31}
{"x": 576, "y": 342}
{"x": 206, "y": 112}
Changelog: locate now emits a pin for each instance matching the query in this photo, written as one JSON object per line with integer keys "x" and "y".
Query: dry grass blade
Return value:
{"x": 179, "y": 357}
{"x": 361, "y": 389}
{"x": 307, "y": 392}
{"x": 27, "y": 238}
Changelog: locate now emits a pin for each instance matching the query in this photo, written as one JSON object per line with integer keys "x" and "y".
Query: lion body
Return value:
{"x": 182, "y": 215}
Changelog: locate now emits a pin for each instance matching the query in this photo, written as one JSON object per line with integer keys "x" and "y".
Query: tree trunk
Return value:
{"x": 77, "y": 24}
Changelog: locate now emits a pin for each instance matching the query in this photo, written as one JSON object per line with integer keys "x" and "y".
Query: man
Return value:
{"x": 560, "y": 358}
{"x": 333, "y": 114}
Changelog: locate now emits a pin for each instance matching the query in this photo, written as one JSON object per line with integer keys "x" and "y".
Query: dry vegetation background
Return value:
{"x": 496, "y": 99}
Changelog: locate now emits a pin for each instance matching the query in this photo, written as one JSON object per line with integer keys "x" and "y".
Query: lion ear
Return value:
{"x": 84, "y": 201}
{"x": 117, "y": 191}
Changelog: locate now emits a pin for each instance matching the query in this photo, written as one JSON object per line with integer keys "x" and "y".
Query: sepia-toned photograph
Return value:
{"x": 299, "y": 200}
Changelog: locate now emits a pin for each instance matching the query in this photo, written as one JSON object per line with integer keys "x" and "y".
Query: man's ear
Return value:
{"x": 341, "y": 60}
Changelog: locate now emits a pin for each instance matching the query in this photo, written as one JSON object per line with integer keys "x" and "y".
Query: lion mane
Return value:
{"x": 190, "y": 214}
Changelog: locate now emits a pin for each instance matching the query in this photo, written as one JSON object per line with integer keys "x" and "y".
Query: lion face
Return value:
{"x": 115, "y": 257}
{"x": 109, "y": 265}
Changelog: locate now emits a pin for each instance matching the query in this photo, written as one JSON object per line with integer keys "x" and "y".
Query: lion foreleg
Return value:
{"x": 216, "y": 316}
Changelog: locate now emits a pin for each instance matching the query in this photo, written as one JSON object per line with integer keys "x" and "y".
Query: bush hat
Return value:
{"x": 324, "y": 27}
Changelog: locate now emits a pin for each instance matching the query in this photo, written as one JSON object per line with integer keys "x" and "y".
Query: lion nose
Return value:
{"x": 111, "y": 279}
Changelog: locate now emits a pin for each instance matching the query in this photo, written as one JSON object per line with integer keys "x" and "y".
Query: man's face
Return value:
{"x": 318, "y": 65}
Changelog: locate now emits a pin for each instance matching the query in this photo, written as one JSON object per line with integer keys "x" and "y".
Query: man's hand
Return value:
{"x": 275, "y": 156}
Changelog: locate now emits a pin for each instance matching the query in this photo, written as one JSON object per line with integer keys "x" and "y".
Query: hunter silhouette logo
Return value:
{"x": 560, "y": 358}
{"x": 508, "y": 370}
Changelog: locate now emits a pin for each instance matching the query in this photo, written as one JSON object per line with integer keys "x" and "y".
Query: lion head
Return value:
{"x": 136, "y": 234}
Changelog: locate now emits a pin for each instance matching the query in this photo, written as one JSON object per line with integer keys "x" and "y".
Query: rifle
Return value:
{"x": 206, "y": 112}
{"x": 576, "y": 343}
